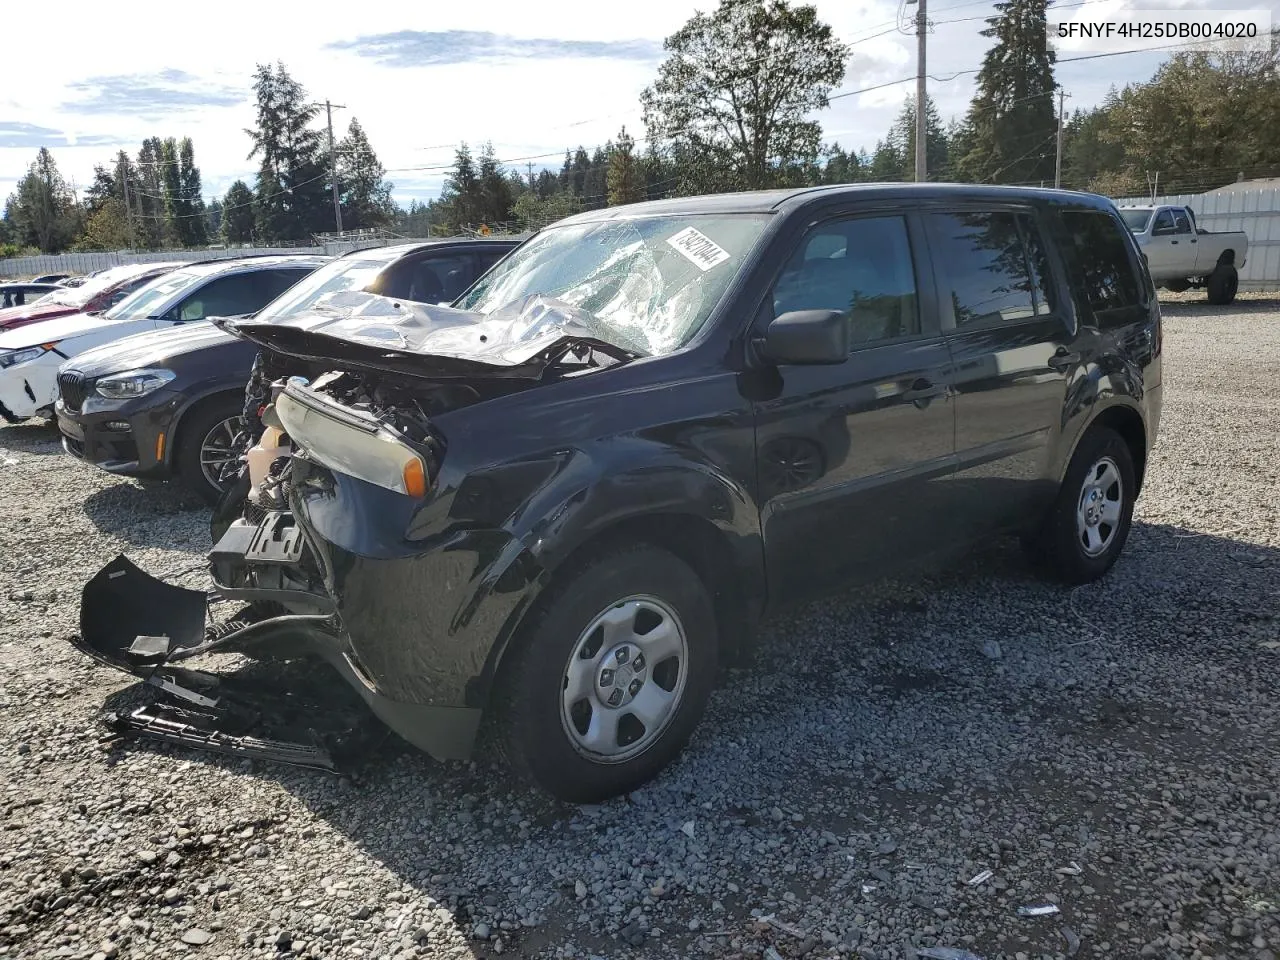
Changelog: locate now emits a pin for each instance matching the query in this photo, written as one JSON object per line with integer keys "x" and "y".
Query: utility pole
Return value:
{"x": 922, "y": 25}
{"x": 1057, "y": 163}
{"x": 333, "y": 164}
{"x": 529, "y": 164}
{"x": 128, "y": 207}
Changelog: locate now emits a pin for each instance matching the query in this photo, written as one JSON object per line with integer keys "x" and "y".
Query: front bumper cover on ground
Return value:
{"x": 136, "y": 623}
{"x": 133, "y": 622}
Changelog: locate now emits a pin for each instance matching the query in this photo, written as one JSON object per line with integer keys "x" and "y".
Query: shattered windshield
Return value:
{"x": 649, "y": 283}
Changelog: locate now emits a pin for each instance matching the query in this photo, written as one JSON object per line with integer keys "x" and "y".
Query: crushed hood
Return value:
{"x": 371, "y": 332}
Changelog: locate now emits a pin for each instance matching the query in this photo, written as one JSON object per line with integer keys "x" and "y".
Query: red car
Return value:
{"x": 100, "y": 292}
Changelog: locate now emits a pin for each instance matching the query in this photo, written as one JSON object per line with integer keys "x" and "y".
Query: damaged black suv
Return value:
{"x": 564, "y": 500}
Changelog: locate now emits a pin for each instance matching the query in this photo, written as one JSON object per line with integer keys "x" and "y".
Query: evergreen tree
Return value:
{"x": 903, "y": 137}
{"x": 365, "y": 192}
{"x": 625, "y": 180}
{"x": 42, "y": 209}
{"x": 1011, "y": 124}
{"x": 461, "y": 195}
{"x": 191, "y": 222}
{"x": 238, "y": 214}
{"x": 494, "y": 189}
{"x": 887, "y": 163}
{"x": 291, "y": 194}
{"x": 149, "y": 202}
{"x": 171, "y": 181}
{"x": 213, "y": 218}
{"x": 578, "y": 177}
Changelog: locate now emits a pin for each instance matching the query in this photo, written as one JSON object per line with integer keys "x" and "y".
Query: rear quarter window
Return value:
{"x": 1106, "y": 282}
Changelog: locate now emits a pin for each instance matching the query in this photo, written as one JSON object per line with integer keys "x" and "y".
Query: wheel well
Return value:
{"x": 1127, "y": 423}
{"x": 1227, "y": 258}
{"x": 178, "y": 431}
{"x": 699, "y": 543}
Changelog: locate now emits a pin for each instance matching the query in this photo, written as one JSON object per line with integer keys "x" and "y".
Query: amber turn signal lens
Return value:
{"x": 415, "y": 478}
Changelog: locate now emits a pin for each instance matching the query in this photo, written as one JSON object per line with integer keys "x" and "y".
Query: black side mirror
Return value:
{"x": 808, "y": 337}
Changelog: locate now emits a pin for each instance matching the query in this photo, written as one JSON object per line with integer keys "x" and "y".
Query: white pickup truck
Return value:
{"x": 1180, "y": 255}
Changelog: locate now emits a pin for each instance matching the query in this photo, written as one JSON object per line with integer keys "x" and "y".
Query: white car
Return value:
{"x": 30, "y": 356}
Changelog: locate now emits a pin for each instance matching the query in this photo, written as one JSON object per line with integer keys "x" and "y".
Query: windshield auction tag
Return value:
{"x": 699, "y": 249}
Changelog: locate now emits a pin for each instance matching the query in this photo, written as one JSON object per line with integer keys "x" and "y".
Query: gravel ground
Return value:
{"x": 1109, "y": 750}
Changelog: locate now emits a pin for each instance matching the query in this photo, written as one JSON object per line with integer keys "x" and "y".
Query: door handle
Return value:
{"x": 1063, "y": 359}
{"x": 1174, "y": 242}
{"x": 921, "y": 391}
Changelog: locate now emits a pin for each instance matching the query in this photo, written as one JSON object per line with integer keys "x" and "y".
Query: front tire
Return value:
{"x": 1223, "y": 284}
{"x": 610, "y": 676}
{"x": 1089, "y": 523}
{"x": 206, "y": 446}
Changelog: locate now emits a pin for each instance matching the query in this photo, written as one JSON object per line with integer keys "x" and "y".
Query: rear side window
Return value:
{"x": 1104, "y": 277}
{"x": 994, "y": 266}
{"x": 272, "y": 283}
{"x": 860, "y": 266}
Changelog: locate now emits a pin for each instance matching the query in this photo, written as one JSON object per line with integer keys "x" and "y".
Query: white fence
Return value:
{"x": 81, "y": 263}
{"x": 1255, "y": 211}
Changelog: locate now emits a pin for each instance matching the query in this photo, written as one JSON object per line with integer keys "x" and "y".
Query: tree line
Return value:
{"x": 736, "y": 104}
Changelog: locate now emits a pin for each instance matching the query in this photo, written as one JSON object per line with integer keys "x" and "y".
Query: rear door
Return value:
{"x": 853, "y": 459}
{"x": 1016, "y": 351}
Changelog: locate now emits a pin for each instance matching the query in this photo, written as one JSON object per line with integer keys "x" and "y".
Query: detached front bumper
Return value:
{"x": 137, "y": 623}
{"x": 127, "y": 437}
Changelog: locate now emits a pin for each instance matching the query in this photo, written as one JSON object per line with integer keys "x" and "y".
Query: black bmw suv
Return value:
{"x": 565, "y": 500}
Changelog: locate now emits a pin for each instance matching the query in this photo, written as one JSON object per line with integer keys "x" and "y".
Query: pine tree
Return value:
{"x": 148, "y": 199}
{"x": 903, "y": 137}
{"x": 887, "y": 163}
{"x": 625, "y": 181}
{"x": 364, "y": 190}
{"x": 461, "y": 195}
{"x": 238, "y": 215}
{"x": 191, "y": 223}
{"x": 493, "y": 189}
{"x": 1011, "y": 124}
{"x": 42, "y": 208}
{"x": 291, "y": 196}
{"x": 171, "y": 182}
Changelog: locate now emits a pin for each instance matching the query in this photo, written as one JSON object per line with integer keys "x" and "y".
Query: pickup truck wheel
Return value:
{"x": 611, "y": 676}
{"x": 1089, "y": 523}
{"x": 206, "y": 447}
{"x": 1223, "y": 283}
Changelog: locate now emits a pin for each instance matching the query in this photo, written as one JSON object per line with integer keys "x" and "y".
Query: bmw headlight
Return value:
{"x": 11, "y": 358}
{"x": 132, "y": 383}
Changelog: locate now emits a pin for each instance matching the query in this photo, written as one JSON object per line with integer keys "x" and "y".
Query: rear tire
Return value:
{"x": 203, "y": 432}
{"x": 1223, "y": 284}
{"x": 1089, "y": 522}
{"x": 635, "y": 628}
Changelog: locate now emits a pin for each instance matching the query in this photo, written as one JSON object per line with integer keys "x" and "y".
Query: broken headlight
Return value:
{"x": 350, "y": 442}
{"x": 132, "y": 383}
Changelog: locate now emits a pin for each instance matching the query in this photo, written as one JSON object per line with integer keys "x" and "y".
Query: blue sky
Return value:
{"x": 533, "y": 79}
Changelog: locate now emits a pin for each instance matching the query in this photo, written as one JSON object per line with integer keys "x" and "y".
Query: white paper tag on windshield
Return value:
{"x": 699, "y": 249}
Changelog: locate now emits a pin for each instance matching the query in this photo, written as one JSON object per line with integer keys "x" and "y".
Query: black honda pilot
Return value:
{"x": 564, "y": 500}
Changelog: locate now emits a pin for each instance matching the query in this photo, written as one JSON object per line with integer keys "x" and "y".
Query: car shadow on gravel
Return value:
{"x": 31, "y": 436}
{"x": 865, "y": 722}
{"x": 116, "y": 510}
